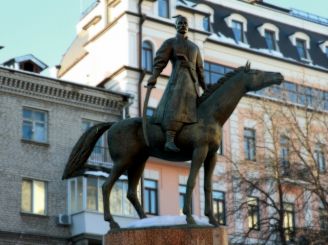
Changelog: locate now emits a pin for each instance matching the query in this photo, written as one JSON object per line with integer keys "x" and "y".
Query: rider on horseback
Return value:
{"x": 178, "y": 103}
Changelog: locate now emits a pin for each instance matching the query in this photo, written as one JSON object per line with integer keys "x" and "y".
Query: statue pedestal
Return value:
{"x": 176, "y": 235}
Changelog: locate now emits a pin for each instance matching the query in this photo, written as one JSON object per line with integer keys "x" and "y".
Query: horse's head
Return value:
{"x": 257, "y": 79}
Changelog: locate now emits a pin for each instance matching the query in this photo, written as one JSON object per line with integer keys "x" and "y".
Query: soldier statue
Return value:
{"x": 178, "y": 103}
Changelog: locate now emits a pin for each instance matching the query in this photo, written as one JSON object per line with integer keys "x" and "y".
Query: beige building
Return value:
{"x": 114, "y": 48}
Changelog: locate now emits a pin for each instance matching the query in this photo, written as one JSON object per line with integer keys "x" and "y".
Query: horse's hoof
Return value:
{"x": 214, "y": 222}
{"x": 190, "y": 220}
{"x": 113, "y": 225}
{"x": 143, "y": 216}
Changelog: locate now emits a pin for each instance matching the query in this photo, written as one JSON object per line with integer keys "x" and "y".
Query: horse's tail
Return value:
{"x": 75, "y": 165}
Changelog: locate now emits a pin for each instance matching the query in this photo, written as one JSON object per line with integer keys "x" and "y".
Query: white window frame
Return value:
{"x": 323, "y": 46}
{"x": 45, "y": 122}
{"x": 238, "y": 18}
{"x": 270, "y": 27}
{"x": 32, "y": 196}
{"x": 306, "y": 39}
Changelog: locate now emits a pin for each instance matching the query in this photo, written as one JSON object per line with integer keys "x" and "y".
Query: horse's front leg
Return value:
{"x": 209, "y": 166}
{"x": 198, "y": 157}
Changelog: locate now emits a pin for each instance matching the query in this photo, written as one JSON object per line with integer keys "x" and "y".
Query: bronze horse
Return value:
{"x": 198, "y": 142}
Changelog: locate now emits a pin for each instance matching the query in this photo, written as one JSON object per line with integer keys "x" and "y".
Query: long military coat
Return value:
{"x": 178, "y": 102}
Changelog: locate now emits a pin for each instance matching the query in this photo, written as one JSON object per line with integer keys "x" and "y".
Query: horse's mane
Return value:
{"x": 218, "y": 84}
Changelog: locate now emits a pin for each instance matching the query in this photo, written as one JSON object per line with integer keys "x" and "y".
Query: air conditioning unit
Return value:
{"x": 64, "y": 219}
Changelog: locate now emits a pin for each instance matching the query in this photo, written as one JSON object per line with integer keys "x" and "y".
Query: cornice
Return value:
{"x": 62, "y": 92}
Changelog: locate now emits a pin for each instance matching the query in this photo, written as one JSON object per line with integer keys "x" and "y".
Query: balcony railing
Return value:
{"x": 100, "y": 157}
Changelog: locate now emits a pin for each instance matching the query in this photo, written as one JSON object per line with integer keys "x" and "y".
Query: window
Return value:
{"x": 289, "y": 220}
{"x": 182, "y": 197}
{"x": 85, "y": 193}
{"x": 284, "y": 154}
{"x": 323, "y": 219}
{"x": 119, "y": 204}
{"x": 206, "y": 23}
{"x": 35, "y": 125}
{"x": 150, "y": 111}
{"x": 33, "y": 197}
{"x": 100, "y": 152}
{"x": 301, "y": 48}
{"x": 305, "y": 95}
{"x": 219, "y": 206}
{"x": 213, "y": 72}
{"x": 249, "y": 144}
{"x": 147, "y": 56}
{"x": 290, "y": 91}
{"x": 270, "y": 33}
{"x": 238, "y": 30}
{"x": 75, "y": 195}
{"x": 270, "y": 39}
{"x": 163, "y": 8}
{"x": 320, "y": 158}
{"x": 150, "y": 197}
{"x": 253, "y": 213}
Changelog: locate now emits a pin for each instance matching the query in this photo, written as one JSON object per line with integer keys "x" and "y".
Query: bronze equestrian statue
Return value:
{"x": 198, "y": 142}
{"x": 178, "y": 104}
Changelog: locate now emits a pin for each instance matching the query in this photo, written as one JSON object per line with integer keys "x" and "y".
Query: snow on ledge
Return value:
{"x": 166, "y": 220}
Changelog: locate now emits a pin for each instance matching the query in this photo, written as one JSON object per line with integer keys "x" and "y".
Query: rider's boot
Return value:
{"x": 169, "y": 145}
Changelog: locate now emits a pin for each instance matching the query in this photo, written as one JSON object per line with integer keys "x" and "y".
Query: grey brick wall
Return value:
{"x": 20, "y": 159}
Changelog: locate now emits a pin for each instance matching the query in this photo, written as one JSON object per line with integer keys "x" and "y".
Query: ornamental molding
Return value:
{"x": 58, "y": 91}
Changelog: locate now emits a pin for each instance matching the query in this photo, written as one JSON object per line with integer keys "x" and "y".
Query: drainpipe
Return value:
{"x": 142, "y": 73}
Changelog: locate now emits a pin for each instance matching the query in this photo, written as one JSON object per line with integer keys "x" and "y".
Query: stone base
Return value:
{"x": 177, "y": 235}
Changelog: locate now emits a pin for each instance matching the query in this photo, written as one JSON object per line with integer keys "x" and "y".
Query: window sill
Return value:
{"x": 34, "y": 215}
{"x": 35, "y": 142}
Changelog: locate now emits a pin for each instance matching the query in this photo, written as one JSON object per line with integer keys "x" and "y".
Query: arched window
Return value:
{"x": 163, "y": 8}
{"x": 147, "y": 56}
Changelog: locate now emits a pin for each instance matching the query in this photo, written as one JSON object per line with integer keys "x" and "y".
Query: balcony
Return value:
{"x": 88, "y": 222}
{"x": 100, "y": 158}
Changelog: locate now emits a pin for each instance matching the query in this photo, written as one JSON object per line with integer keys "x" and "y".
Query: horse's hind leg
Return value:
{"x": 134, "y": 174}
{"x": 209, "y": 166}
{"x": 116, "y": 172}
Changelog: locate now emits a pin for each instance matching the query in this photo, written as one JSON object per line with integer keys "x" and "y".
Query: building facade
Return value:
{"x": 41, "y": 119}
{"x": 228, "y": 33}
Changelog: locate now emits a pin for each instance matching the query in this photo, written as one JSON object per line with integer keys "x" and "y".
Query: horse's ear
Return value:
{"x": 247, "y": 66}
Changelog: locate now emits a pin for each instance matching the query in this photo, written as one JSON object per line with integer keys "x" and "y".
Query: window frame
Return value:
{"x": 161, "y": 8}
{"x": 240, "y": 31}
{"x": 221, "y": 216}
{"x": 301, "y": 48}
{"x": 147, "y": 197}
{"x": 32, "y": 191}
{"x": 320, "y": 154}
{"x": 253, "y": 210}
{"x": 250, "y": 141}
{"x": 214, "y": 71}
{"x": 34, "y": 121}
{"x": 207, "y": 23}
{"x": 182, "y": 198}
{"x": 147, "y": 56}
{"x": 288, "y": 213}
{"x": 284, "y": 154}
{"x": 97, "y": 157}
{"x": 272, "y": 39}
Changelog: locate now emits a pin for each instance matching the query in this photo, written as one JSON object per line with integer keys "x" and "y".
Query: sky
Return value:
{"x": 46, "y": 28}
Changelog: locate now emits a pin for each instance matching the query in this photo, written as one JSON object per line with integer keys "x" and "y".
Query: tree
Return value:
{"x": 284, "y": 193}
